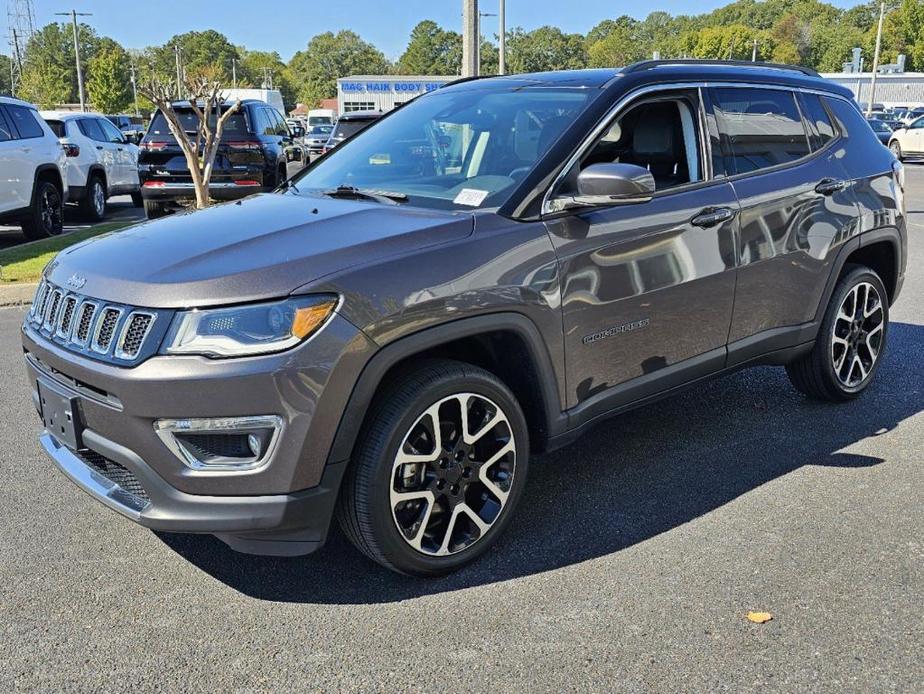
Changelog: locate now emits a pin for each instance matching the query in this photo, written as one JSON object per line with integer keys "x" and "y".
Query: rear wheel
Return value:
{"x": 46, "y": 214}
{"x": 154, "y": 209}
{"x": 850, "y": 342}
{"x": 438, "y": 471}
{"x": 93, "y": 205}
{"x": 896, "y": 149}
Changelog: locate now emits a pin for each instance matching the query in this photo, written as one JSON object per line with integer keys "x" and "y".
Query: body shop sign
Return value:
{"x": 389, "y": 87}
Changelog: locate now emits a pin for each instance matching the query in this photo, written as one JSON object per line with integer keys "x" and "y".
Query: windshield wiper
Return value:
{"x": 352, "y": 193}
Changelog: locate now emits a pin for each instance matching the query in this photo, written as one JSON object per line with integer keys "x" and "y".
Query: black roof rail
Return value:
{"x": 649, "y": 64}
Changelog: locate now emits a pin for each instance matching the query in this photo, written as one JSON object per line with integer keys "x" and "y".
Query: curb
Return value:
{"x": 17, "y": 294}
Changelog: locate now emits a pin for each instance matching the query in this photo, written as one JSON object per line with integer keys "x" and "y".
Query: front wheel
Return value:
{"x": 850, "y": 342}
{"x": 438, "y": 471}
{"x": 896, "y": 149}
{"x": 93, "y": 206}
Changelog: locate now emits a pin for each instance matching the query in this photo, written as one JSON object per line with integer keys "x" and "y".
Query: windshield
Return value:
{"x": 319, "y": 120}
{"x": 348, "y": 128}
{"x": 235, "y": 126}
{"x": 462, "y": 149}
{"x": 321, "y": 130}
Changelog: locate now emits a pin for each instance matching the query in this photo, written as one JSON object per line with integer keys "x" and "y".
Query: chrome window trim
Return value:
{"x": 668, "y": 86}
{"x": 119, "y": 352}
{"x": 94, "y": 345}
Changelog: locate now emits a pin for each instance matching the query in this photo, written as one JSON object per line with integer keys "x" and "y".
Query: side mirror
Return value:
{"x": 622, "y": 181}
{"x": 608, "y": 184}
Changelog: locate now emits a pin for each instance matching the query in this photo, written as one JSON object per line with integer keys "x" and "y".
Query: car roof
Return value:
{"x": 663, "y": 71}
{"x": 361, "y": 115}
{"x": 68, "y": 115}
{"x": 15, "y": 101}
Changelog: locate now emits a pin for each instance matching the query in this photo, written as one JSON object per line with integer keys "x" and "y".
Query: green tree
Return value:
{"x": 618, "y": 47}
{"x": 431, "y": 50}
{"x": 108, "y": 78}
{"x": 545, "y": 48}
{"x": 200, "y": 51}
{"x": 252, "y": 67}
{"x": 49, "y": 74}
{"x": 5, "y": 64}
{"x": 734, "y": 41}
{"x": 315, "y": 70}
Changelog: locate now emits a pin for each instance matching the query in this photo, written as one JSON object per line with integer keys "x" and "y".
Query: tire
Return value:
{"x": 851, "y": 340}
{"x": 154, "y": 209}
{"x": 439, "y": 533}
{"x": 281, "y": 176}
{"x": 896, "y": 150}
{"x": 45, "y": 217}
{"x": 137, "y": 200}
{"x": 93, "y": 205}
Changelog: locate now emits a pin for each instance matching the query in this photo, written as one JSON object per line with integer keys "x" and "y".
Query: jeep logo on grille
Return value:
{"x": 76, "y": 281}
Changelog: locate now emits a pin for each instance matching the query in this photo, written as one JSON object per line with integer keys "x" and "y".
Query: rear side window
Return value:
{"x": 819, "y": 121}
{"x": 57, "y": 127}
{"x": 759, "y": 128}
{"x": 6, "y": 133}
{"x": 26, "y": 121}
{"x": 90, "y": 128}
{"x": 111, "y": 133}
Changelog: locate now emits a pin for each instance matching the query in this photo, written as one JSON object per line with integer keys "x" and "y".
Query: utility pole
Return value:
{"x": 131, "y": 68}
{"x": 234, "y": 72}
{"x": 73, "y": 14}
{"x": 502, "y": 40}
{"x": 754, "y": 52}
{"x": 179, "y": 76}
{"x": 470, "y": 38}
{"x": 872, "y": 83}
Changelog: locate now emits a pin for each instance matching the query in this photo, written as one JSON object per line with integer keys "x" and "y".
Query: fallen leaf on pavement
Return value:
{"x": 759, "y": 617}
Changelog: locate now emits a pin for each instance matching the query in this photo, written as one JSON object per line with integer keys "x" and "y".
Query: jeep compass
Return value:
{"x": 480, "y": 275}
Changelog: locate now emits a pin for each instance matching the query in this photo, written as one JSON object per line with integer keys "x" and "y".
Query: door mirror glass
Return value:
{"x": 616, "y": 182}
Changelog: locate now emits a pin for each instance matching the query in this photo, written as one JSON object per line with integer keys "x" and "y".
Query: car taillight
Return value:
{"x": 71, "y": 150}
{"x": 247, "y": 145}
{"x": 153, "y": 146}
{"x": 154, "y": 184}
{"x": 246, "y": 182}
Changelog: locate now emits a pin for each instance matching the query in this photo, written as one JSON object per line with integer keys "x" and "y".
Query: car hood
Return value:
{"x": 263, "y": 247}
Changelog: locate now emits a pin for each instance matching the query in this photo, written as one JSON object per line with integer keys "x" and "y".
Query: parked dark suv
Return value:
{"x": 251, "y": 158}
{"x": 349, "y": 124}
{"x": 484, "y": 273}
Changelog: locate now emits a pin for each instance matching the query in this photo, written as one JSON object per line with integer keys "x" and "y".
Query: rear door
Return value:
{"x": 796, "y": 210}
{"x": 30, "y": 149}
{"x": 125, "y": 165}
{"x": 11, "y": 166}
{"x": 106, "y": 153}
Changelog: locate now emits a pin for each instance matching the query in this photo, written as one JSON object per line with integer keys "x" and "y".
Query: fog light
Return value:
{"x": 222, "y": 444}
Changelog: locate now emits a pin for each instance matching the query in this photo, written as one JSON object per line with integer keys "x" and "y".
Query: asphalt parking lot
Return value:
{"x": 120, "y": 208}
{"x": 631, "y": 565}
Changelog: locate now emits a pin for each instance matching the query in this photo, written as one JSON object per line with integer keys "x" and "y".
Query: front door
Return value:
{"x": 648, "y": 288}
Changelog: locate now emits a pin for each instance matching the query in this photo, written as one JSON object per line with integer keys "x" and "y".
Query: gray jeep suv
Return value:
{"x": 482, "y": 274}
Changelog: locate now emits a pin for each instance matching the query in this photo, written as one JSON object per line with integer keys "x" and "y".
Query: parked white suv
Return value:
{"x": 101, "y": 161}
{"x": 909, "y": 140}
{"x": 33, "y": 182}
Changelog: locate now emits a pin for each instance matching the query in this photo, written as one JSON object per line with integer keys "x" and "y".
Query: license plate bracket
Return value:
{"x": 61, "y": 414}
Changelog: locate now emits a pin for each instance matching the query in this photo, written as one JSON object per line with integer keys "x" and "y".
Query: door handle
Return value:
{"x": 712, "y": 216}
{"x": 829, "y": 186}
{"x": 99, "y": 146}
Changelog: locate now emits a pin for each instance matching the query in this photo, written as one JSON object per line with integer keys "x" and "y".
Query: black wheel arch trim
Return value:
{"x": 43, "y": 168}
{"x": 351, "y": 420}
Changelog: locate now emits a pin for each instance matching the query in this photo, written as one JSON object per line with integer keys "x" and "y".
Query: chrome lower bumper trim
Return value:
{"x": 192, "y": 186}
{"x": 97, "y": 486}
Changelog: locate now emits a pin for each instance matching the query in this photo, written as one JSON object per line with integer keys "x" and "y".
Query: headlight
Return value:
{"x": 245, "y": 330}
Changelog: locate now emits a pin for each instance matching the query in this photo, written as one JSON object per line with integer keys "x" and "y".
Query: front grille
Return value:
{"x": 136, "y": 329}
{"x": 106, "y": 331}
{"x": 114, "y": 472}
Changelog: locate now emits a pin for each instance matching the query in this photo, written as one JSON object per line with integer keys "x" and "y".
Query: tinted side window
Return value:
{"x": 819, "y": 121}
{"x": 90, "y": 128}
{"x": 111, "y": 133}
{"x": 25, "y": 120}
{"x": 759, "y": 128}
{"x": 6, "y": 132}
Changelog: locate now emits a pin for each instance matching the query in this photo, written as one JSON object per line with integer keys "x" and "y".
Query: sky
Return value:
{"x": 289, "y": 25}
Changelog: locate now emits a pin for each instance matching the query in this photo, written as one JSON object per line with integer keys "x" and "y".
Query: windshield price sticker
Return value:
{"x": 471, "y": 197}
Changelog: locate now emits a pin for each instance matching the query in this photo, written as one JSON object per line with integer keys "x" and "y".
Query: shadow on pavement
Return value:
{"x": 632, "y": 478}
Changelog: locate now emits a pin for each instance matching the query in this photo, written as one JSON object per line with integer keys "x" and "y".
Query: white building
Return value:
{"x": 892, "y": 89}
{"x": 383, "y": 92}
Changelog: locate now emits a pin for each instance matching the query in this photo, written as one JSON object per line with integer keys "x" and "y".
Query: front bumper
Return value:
{"x": 282, "y": 524}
